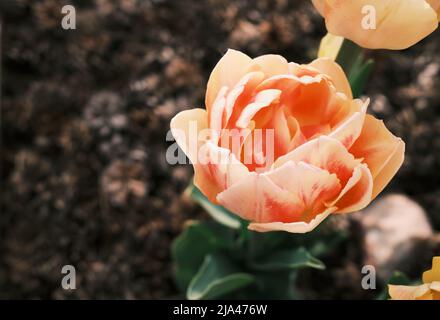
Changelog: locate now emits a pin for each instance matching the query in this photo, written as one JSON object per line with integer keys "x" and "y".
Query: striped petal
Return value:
{"x": 186, "y": 127}
{"x": 330, "y": 68}
{"x": 380, "y": 150}
{"x": 228, "y": 71}
{"x": 216, "y": 170}
{"x": 280, "y": 197}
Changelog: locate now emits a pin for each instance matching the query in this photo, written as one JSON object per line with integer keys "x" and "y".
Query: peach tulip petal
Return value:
{"x": 316, "y": 94}
{"x": 257, "y": 154}
{"x": 357, "y": 193}
{"x": 408, "y": 292}
{"x": 276, "y": 197}
{"x": 272, "y": 64}
{"x": 325, "y": 153}
{"x": 435, "y": 286}
{"x": 281, "y": 131}
{"x": 348, "y": 131}
{"x": 430, "y": 290}
{"x": 313, "y": 186}
{"x": 262, "y": 100}
{"x": 242, "y": 91}
{"x": 284, "y": 145}
{"x": 400, "y": 24}
{"x": 294, "y": 227}
{"x": 297, "y": 137}
{"x": 433, "y": 275}
{"x": 216, "y": 170}
{"x": 217, "y": 115}
{"x": 380, "y": 150}
{"x": 228, "y": 71}
{"x": 343, "y": 108}
{"x": 328, "y": 67}
{"x": 256, "y": 197}
{"x": 329, "y": 154}
{"x": 185, "y": 126}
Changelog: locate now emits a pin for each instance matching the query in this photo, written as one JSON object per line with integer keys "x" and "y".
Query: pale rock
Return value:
{"x": 393, "y": 227}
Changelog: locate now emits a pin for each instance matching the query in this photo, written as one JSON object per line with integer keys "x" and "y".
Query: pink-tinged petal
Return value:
{"x": 228, "y": 71}
{"x": 216, "y": 170}
{"x": 408, "y": 292}
{"x": 279, "y": 197}
{"x": 241, "y": 93}
{"x": 297, "y": 137}
{"x": 185, "y": 127}
{"x": 270, "y": 139}
{"x": 357, "y": 193}
{"x": 217, "y": 114}
{"x": 257, "y": 198}
{"x": 281, "y": 133}
{"x": 380, "y": 150}
{"x": 272, "y": 64}
{"x": 330, "y": 68}
{"x": 349, "y": 130}
{"x": 313, "y": 186}
{"x": 325, "y": 153}
{"x": 262, "y": 100}
{"x": 294, "y": 227}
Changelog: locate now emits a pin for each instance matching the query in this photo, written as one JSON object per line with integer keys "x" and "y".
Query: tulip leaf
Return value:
{"x": 193, "y": 244}
{"x": 288, "y": 260}
{"x": 217, "y": 277}
{"x": 218, "y": 213}
{"x": 359, "y": 77}
{"x": 351, "y": 58}
{"x": 348, "y": 55}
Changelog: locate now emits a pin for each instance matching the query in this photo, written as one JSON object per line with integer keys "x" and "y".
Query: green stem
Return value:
{"x": 352, "y": 59}
{"x": 348, "y": 54}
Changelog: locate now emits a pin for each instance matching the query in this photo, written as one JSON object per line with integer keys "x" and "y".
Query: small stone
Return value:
{"x": 392, "y": 225}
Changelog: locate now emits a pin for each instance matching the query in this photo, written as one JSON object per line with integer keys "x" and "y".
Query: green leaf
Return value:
{"x": 351, "y": 58}
{"x": 359, "y": 77}
{"x": 217, "y": 277}
{"x": 288, "y": 260}
{"x": 270, "y": 285}
{"x": 348, "y": 55}
{"x": 193, "y": 244}
{"x": 218, "y": 213}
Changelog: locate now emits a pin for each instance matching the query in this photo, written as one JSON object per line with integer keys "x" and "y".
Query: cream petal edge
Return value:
{"x": 294, "y": 227}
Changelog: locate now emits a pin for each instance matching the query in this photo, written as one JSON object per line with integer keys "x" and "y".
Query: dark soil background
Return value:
{"x": 84, "y": 119}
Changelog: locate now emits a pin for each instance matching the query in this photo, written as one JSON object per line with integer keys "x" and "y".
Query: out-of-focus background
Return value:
{"x": 84, "y": 117}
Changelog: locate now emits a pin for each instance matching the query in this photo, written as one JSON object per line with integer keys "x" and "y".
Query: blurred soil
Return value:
{"x": 85, "y": 114}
